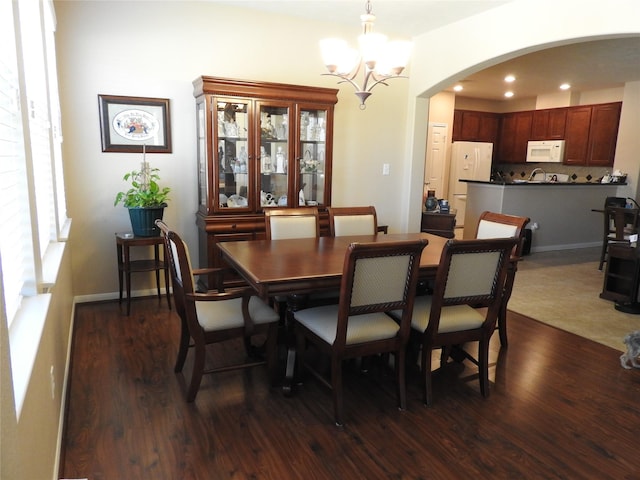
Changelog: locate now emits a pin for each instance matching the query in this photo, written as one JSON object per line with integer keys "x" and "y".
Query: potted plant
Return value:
{"x": 145, "y": 200}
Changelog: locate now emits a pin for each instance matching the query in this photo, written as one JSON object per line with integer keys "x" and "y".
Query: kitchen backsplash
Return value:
{"x": 576, "y": 174}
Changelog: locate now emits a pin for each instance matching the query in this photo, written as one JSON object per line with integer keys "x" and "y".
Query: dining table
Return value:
{"x": 298, "y": 267}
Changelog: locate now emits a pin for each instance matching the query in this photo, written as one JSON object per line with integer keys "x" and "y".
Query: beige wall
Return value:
{"x": 139, "y": 49}
{"x": 493, "y": 37}
{"x": 155, "y": 49}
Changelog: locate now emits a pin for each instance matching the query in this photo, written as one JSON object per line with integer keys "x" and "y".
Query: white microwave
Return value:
{"x": 545, "y": 151}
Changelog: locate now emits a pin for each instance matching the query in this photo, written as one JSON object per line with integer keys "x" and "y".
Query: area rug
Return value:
{"x": 565, "y": 295}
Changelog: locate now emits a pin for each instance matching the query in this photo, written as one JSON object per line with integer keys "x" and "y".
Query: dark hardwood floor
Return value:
{"x": 561, "y": 406}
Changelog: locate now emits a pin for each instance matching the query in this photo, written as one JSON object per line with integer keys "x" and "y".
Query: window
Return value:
{"x": 32, "y": 205}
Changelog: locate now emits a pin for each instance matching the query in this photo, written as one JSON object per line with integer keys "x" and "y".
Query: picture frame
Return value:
{"x": 127, "y": 124}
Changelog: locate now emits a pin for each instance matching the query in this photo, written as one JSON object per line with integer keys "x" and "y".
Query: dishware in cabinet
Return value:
{"x": 275, "y": 154}
{"x": 314, "y": 157}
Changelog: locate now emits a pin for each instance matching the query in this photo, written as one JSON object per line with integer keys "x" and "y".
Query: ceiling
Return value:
{"x": 586, "y": 66}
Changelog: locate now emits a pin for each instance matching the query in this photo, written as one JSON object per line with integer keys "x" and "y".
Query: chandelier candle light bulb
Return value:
{"x": 379, "y": 59}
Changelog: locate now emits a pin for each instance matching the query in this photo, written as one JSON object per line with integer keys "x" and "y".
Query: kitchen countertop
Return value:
{"x": 534, "y": 183}
{"x": 561, "y": 213}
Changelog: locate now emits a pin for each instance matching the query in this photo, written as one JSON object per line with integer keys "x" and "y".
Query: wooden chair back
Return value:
{"x": 378, "y": 277}
{"x": 501, "y": 225}
{"x": 622, "y": 222}
{"x": 282, "y": 223}
{"x": 344, "y": 221}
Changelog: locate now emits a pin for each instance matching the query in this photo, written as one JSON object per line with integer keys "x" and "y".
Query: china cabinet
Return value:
{"x": 259, "y": 145}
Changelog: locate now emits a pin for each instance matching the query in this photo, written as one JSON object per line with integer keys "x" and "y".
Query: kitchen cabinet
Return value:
{"x": 259, "y": 145}
{"x": 515, "y": 132}
{"x": 475, "y": 126}
{"x": 591, "y": 134}
{"x": 603, "y": 134}
{"x": 548, "y": 124}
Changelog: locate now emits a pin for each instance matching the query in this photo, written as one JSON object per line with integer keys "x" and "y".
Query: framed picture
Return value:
{"x": 129, "y": 123}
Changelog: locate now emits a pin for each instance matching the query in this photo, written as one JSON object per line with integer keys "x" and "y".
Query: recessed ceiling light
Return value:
{"x": 565, "y": 86}
{"x": 508, "y": 94}
{"x": 509, "y": 78}
{"x": 457, "y": 88}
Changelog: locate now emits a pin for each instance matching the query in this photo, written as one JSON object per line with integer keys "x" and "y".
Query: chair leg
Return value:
{"x": 426, "y": 374}
{"x": 502, "y": 325}
{"x": 198, "y": 370}
{"x": 603, "y": 254}
{"x": 336, "y": 384}
{"x": 483, "y": 366}
{"x": 183, "y": 348}
{"x": 271, "y": 352}
{"x": 401, "y": 378}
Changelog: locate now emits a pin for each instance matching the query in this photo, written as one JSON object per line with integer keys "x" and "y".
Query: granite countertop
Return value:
{"x": 551, "y": 184}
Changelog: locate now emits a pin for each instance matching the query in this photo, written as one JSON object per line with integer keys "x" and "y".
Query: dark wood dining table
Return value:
{"x": 309, "y": 265}
{"x": 297, "y": 267}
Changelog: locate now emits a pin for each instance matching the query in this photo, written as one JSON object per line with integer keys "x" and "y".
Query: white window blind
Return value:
{"x": 33, "y": 56}
{"x": 32, "y": 199}
{"x": 15, "y": 232}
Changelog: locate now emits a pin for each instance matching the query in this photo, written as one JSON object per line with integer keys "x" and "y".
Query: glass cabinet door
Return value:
{"x": 203, "y": 184}
{"x": 274, "y": 155}
{"x": 232, "y": 158}
{"x": 312, "y": 157}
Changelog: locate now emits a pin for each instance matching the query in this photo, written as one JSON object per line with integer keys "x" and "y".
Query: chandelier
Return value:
{"x": 379, "y": 59}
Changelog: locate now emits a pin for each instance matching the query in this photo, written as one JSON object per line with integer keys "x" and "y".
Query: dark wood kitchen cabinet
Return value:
{"x": 577, "y": 135}
{"x": 603, "y": 134}
{"x": 475, "y": 126}
{"x": 548, "y": 124}
{"x": 515, "y": 131}
{"x": 591, "y": 134}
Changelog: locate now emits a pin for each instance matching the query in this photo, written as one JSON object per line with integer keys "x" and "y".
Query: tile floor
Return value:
{"x": 562, "y": 288}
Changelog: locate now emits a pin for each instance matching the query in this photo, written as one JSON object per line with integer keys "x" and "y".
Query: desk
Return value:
{"x": 126, "y": 266}
{"x": 301, "y": 266}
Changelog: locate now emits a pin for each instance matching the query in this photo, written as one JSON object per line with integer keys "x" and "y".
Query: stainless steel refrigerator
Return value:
{"x": 469, "y": 161}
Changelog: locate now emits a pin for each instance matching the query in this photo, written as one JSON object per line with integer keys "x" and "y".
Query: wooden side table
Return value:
{"x": 126, "y": 266}
{"x": 441, "y": 224}
{"x": 622, "y": 277}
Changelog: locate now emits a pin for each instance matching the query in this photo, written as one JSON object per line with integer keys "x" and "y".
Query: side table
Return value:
{"x": 622, "y": 277}
{"x": 441, "y": 224}
{"x": 126, "y": 266}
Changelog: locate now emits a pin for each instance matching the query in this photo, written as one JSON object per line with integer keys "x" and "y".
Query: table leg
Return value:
{"x": 120, "y": 272}
{"x": 157, "y": 259}
{"x": 127, "y": 272}
{"x": 294, "y": 303}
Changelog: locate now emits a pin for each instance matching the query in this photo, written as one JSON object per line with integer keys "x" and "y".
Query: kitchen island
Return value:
{"x": 561, "y": 213}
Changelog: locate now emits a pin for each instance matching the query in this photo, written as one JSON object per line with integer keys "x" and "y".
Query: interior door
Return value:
{"x": 434, "y": 173}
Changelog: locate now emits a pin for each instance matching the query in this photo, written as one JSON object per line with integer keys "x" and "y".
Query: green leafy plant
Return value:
{"x": 144, "y": 191}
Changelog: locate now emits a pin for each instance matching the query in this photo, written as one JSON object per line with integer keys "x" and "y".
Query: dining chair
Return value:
{"x": 215, "y": 316}
{"x": 471, "y": 274}
{"x": 291, "y": 223}
{"x": 345, "y": 221}
{"x": 285, "y": 223}
{"x": 501, "y": 225}
{"x": 610, "y": 231}
{"x": 376, "y": 278}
